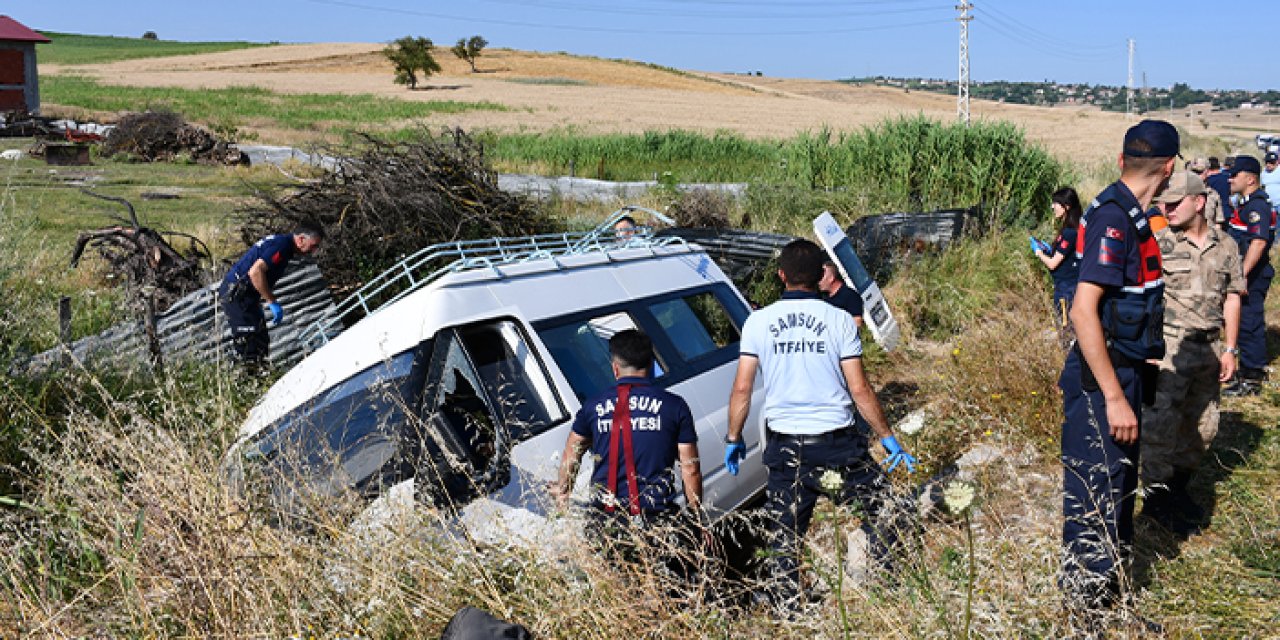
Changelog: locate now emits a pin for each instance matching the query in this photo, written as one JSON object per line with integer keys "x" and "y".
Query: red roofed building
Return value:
{"x": 19, "y": 84}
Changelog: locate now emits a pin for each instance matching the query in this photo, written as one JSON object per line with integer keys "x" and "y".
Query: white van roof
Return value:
{"x": 532, "y": 290}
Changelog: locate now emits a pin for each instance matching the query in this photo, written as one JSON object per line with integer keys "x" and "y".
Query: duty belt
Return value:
{"x": 1195, "y": 335}
{"x": 815, "y": 438}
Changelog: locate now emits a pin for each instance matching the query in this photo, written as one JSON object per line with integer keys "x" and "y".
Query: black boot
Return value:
{"x": 1158, "y": 505}
{"x": 1186, "y": 506}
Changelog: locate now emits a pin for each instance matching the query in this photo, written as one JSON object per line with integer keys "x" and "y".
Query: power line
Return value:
{"x": 1014, "y": 36}
{"x": 1042, "y": 36}
{"x": 1011, "y": 32}
{"x": 622, "y": 30}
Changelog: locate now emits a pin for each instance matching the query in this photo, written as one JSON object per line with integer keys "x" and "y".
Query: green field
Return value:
{"x": 306, "y": 113}
{"x": 74, "y": 48}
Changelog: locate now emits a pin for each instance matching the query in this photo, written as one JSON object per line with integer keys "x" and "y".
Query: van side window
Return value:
{"x": 581, "y": 348}
{"x": 516, "y": 381}
{"x": 696, "y": 324}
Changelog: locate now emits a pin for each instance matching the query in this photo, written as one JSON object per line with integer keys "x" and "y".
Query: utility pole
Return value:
{"x": 962, "y": 97}
{"x": 1128, "y": 98}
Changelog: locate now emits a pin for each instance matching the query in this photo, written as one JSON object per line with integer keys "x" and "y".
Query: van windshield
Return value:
{"x": 345, "y": 438}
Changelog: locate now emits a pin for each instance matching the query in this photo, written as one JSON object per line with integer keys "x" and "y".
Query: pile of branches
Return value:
{"x": 144, "y": 260}
{"x": 389, "y": 199}
{"x": 153, "y": 136}
{"x": 702, "y": 208}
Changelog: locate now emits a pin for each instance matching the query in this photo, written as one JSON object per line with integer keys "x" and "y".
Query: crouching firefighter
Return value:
{"x": 636, "y": 433}
{"x": 1118, "y": 314}
{"x": 252, "y": 281}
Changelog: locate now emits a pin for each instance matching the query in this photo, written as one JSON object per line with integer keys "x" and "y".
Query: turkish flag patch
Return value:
{"x": 1115, "y": 234}
{"x": 275, "y": 258}
{"x": 1111, "y": 253}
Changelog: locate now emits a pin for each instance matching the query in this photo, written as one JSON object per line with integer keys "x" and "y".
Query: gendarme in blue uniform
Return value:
{"x": 1067, "y": 274}
{"x": 660, "y": 422}
{"x": 1253, "y": 221}
{"x": 275, "y": 250}
{"x": 241, "y": 301}
{"x": 1101, "y": 476}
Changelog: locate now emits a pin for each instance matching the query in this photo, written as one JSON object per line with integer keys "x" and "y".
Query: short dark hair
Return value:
{"x": 1213, "y": 163}
{"x": 1144, "y": 165}
{"x": 625, "y": 219}
{"x": 309, "y": 229}
{"x": 632, "y": 349}
{"x": 801, "y": 263}
{"x": 835, "y": 271}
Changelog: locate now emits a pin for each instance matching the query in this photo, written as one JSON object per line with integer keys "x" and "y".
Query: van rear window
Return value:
{"x": 696, "y": 324}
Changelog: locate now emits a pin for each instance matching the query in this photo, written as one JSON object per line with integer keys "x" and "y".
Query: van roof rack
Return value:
{"x": 438, "y": 260}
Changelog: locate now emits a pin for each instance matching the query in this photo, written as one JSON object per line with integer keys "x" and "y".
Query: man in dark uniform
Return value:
{"x": 810, "y": 357}
{"x": 1252, "y": 230}
{"x": 633, "y": 479}
{"x": 840, "y": 294}
{"x": 1218, "y": 179}
{"x": 252, "y": 280}
{"x": 1118, "y": 317}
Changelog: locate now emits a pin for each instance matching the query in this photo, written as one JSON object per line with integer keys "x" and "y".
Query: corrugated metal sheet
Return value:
{"x": 194, "y": 328}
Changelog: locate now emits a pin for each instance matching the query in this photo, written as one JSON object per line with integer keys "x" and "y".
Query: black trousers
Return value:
{"x": 243, "y": 307}
{"x": 796, "y": 466}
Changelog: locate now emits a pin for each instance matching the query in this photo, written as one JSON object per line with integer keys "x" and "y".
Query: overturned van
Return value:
{"x": 458, "y": 390}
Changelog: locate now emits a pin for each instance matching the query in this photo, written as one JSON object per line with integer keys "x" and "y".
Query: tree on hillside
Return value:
{"x": 469, "y": 49}
{"x": 409, "y": 56}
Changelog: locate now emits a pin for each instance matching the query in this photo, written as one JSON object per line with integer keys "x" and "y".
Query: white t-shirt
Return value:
{"x": 1271, "y": 184}
{"x": 800, "y": 341}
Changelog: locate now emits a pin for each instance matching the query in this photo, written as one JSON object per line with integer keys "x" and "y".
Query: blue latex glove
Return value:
{"x": 734, "y": 452}
{"x": 277, "y": 314}
{"x": 897, "y": 455}
{"x": 1037, "y": 245}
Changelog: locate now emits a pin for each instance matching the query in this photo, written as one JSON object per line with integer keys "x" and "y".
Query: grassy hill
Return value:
{"x": 75, "y": 48}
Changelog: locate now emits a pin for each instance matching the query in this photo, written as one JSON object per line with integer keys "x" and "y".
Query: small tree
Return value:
{"x": 469, "y": 49}
{"x": 410, "y": 55}
{"x": 150, "y": 35}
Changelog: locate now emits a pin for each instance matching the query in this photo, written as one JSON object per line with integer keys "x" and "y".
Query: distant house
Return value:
{"x": 19, "y": 84}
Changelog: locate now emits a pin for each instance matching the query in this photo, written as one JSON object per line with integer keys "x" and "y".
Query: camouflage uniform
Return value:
{"x": 1184, "y": 419}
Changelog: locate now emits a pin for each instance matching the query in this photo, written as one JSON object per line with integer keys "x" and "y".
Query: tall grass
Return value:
{"x": 243, "y": 105}
{"x": 687, "y": 156}
{"x": 905, "y": 164}
{"x": 915, "y": 164}
{"x": 74, "y": 48}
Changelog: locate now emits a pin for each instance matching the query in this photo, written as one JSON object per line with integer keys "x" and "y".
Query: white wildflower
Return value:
{"x": 958, "y": 496}
{"x": 831, "y": 481}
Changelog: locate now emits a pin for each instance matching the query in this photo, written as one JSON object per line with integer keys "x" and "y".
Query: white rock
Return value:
{"x": 913, "y": 423}
{"x": 11, "y": 154}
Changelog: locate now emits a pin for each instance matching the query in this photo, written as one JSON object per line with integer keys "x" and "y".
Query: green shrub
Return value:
{"x": 918, "y": 164}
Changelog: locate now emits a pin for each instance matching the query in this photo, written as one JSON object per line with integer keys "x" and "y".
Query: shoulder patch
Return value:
{"x": 275, "y": 258}
{"x": 1254, "y": 217}
{"x": 1115, "y": 234}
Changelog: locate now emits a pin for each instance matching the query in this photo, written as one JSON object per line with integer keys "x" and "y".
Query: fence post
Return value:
{"x": 153, "y": 335}
{"x": 64, "y": 328}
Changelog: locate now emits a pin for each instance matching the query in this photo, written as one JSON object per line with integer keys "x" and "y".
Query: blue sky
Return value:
{"x": 1207, "y": 45}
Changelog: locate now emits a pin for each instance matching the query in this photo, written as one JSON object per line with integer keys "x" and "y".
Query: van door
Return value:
{"x": 486, "y": 391}
{"x": 698, "y": 332}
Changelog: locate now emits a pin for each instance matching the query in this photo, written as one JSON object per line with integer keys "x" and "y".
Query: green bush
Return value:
{"x": 918, "y": 164}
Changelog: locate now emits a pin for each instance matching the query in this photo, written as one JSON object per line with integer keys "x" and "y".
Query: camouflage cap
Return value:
{"x": 1181, "y": 185}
